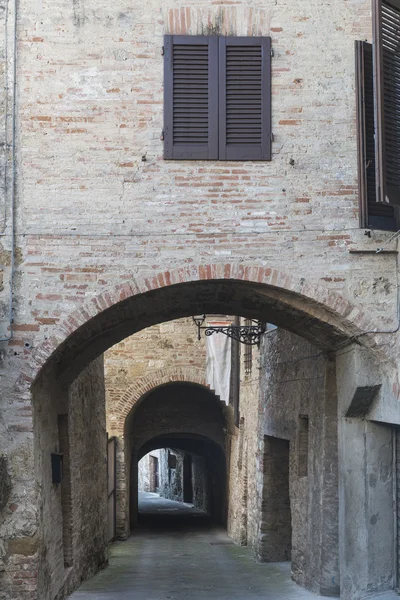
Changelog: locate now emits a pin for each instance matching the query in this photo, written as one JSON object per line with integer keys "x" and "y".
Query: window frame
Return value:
{"x": 217, "y": 149}
{"x": 382, "y": 193}
{"x": 383, "y": 222}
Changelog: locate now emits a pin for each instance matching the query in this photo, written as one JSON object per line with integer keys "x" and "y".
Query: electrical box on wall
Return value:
{"x": 56, "y": 467}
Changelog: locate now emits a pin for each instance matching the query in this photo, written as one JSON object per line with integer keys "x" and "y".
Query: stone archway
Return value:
{"x": 128, "y": 402}
{"x": 145, "y": 384}
{"x": 176, "y": 410}
{"x": 305, "y": 308}
{"x": 328, "y": 320}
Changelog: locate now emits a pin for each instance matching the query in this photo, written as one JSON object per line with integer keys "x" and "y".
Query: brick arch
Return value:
{"x": 149, "y": 382}
{"x": 317, "y": 313}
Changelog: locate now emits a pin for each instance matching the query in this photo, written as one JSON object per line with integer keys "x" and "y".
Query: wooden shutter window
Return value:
{"x": 387, "y": 109}
{"x": 190, "y": 97}
{"x": 244, "y": 98}
{"x": 373, "y": 215}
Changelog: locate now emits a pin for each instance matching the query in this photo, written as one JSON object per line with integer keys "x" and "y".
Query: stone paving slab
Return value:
{"x": 196, "y": 562}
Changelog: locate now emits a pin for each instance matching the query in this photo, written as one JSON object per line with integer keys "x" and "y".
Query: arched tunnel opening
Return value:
{"x": 181, "y": 480}
{"x": 273, "y": 481}
{"x": 176, "y": 437}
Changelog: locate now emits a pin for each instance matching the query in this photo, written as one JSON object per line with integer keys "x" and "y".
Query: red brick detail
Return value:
{"x": 309, "y": 297}
{"x": 149, "y": 382}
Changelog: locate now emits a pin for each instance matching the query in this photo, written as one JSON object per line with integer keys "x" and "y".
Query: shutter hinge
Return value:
{"x": 272, "y": 52}
{"x": 162, "y": 50}
{"x": 272, "y": 137}
{"x": 162, "y": 135}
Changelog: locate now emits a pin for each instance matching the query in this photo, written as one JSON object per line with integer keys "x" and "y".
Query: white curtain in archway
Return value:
{"x": 219, "y": 365}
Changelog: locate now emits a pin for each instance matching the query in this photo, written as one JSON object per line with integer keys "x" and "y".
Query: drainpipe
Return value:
{"x": 13, "y": 174}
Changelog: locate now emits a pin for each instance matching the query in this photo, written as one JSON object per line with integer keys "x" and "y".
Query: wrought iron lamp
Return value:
{"x": 245, "y": 334}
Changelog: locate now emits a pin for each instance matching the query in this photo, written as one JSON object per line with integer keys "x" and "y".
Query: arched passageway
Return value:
{"x": 323, "y": 317}
{"x": 67, "y": 392}
{"x": 190, "y": 469}
{"x": 190, "y": 418}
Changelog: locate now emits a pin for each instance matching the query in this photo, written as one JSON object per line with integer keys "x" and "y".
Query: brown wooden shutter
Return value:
{"x": 387, "y": 109}
{"x": 244, "y": 98}
{"x": 373, "y": 215}
{"x": 190, "y": 97}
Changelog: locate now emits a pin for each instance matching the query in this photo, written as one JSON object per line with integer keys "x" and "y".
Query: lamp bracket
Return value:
{"x": 249, "y": 335}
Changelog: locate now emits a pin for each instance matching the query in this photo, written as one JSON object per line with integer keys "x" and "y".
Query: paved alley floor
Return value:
{"x": 178, "y": 555}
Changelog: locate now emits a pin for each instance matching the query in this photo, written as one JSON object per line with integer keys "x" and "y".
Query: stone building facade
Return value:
{"x": 102, "y": 238}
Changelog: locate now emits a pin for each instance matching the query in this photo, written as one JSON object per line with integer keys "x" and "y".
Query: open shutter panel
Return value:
{"x": 373, "y": 214}
{"x": 244, "y": 98}
{"x": 190, "y": 97}
{"x": 387, "y": 85}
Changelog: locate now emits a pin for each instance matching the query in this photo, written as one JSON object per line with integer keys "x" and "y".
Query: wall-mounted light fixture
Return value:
{"x": 245, "y": 334}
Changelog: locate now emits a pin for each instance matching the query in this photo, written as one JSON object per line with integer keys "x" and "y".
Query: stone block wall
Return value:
{"x": 144, "y": 471}
{"x": 85, "y": 502}
{"x": 88, "y": 465}
{"x": 7, "y": 96}
{"x": 171, "y": 480}
{"x": 201, "y": 482}
{"x": 283, "y": 493}
{"x": 243, "y": 511}
{"x": 299, "y": 405}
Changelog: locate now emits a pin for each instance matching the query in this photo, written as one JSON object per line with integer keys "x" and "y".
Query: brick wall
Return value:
{"x": 93, "y": 215}
{"x": 143, "y": 220}
{"x": 163, "y": 348}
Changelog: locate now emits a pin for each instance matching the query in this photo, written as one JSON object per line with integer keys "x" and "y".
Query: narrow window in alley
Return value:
{"x": 303, "y": 446}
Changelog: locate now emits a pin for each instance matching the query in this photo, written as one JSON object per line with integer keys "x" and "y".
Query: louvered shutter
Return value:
{"x": 244, "y": 98}
{"x": 190, "y": 97}
{"x": 387, "y": 110}
{"x": 373, "y": 215}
